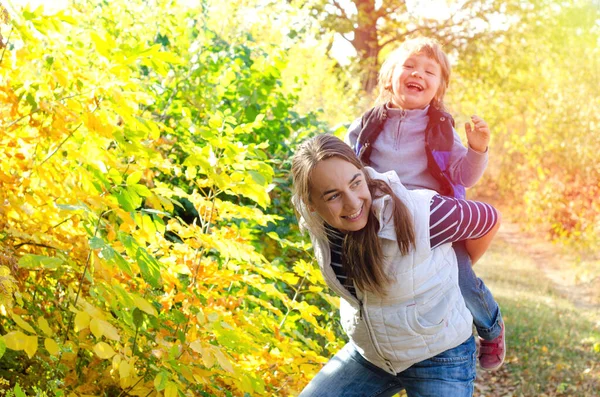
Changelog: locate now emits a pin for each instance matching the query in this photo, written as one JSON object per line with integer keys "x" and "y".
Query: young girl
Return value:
{"x": 410, "y": 133}
{"x": 395, "y": 272}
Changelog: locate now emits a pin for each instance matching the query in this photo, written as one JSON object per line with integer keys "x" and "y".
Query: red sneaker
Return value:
{"x": 492, "y": 352}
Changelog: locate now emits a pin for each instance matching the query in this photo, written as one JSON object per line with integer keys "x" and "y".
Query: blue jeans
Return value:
{"x": 478, "y": 298}
{"x": 348, "y": 374}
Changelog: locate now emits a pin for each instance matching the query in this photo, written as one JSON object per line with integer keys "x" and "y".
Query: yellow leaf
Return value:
{"x": 96, "y": 328}
{"x": 22, "y": 323}
{"x": 125, "y": 369}
{"x": 208, "y": 359}
{"x": 197, "y": 346}
{"x": 103, "y": 350}
{"x": 223, "y": 360}
{"x": 246, "y": 384}
{"x": 60, "y": 77}
{"x": 44, "y": 326}
{"x": 182, "y": 269}
{"x": 51, "y": 346}
{"x": 109, "y": 331}
{"x": 31, "y": 345}
{"x": 171, "y": 389}
{"x": 116, "y": 361}
{"x": 144, "y": 305}
{"x": 200, "y": 317}
{"x": 82, "y": 321}
{"x": 15, "y": 340}
{"x": 104, "y": 45}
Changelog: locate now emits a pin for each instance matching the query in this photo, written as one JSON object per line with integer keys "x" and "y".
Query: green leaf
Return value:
{"x": 2, "y": 346}
{"x": 96, "y": 243}
{"x": 118, "y": 259}
{"x": 258, "y": 177}
{"x": 30, "y": 261}
{"x": 168, "y": 57}
{"x": 128, "y": 242}
{"x": 178, "y": 317}
{"x": 31, "y": 101}
{"x": 127, "y": 200}
{"x": 155, "y": 212}
{"x": 70, "y": 207}
{"x": 216, "y": 121}
{"x": 115, "y": 175}
{"x": 138, "y": 317}
{"x": 139, "y": 190}
{"x": 149, "y": 267}
{"x": 19, "y": 392}
{"x": 107, "y": 253}
{"x": 160, "y": 382}
{"x": 134, "y": 178}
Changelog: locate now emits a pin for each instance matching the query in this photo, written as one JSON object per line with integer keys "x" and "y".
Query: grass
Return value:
{"x": 550, "y": 340}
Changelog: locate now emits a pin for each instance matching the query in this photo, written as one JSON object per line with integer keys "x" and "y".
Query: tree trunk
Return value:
{"x": 366, "y": 43}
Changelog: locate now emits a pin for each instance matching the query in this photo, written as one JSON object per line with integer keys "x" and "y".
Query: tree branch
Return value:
{"x": 339, "y": 7}
{"x": 60, "y": 145}
{"x": 36, "y": 245}
{"x": 398, "y": 37}
{"x": 81, "y": 279}
{"x": 7, "y": 40}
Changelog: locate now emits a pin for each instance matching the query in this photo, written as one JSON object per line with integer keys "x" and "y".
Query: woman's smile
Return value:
{"x": 354, "y": 216}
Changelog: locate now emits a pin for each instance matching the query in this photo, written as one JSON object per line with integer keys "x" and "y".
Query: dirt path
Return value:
{"x": 577, "y": 285}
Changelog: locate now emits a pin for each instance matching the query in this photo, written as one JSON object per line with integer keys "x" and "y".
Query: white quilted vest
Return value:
{"x": 423, "y": 312}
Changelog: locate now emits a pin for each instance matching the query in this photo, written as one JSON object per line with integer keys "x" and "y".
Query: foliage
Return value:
{"x": 147, "y": 244}
{"x": 373, "y": 26}
{"x": 135, "y": 178}
{"x": 538, "y": 89}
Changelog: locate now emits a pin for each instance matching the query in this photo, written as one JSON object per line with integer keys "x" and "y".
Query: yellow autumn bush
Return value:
{"x": 132, "y": 205}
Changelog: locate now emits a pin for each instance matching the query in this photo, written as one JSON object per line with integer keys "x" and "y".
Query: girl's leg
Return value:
{"x": 451, "y": 373}
{"x": 348, "y": 374}
{"x": 478, "y": 298}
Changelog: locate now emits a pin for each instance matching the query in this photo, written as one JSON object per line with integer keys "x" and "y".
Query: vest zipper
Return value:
{"x": 397, "y": 140}
{"x": 362, "y": 313}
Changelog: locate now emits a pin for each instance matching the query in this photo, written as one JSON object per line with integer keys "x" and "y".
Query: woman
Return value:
{"x": 387, "y": 252}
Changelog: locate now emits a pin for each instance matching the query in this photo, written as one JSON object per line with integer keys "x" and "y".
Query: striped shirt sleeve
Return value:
{"x": 454, "y": 219}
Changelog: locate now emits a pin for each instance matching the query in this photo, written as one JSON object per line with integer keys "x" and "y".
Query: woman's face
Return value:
{"x": 340, "y": 195}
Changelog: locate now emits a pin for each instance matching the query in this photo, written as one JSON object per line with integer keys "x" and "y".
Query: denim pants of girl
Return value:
{"x": 348, "y": 374}
{"x": 478, "y": 298}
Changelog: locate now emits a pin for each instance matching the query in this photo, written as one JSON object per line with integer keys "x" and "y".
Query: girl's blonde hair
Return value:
{"x": 420, "y": 45}
{"x": 362, "y": 256}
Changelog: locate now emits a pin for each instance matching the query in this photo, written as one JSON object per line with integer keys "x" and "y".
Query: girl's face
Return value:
{"x": 340, "y": 195}
{"x": 416, "y": 82}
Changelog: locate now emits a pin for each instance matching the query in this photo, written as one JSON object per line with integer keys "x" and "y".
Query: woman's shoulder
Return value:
{"x": 389, "y": 177}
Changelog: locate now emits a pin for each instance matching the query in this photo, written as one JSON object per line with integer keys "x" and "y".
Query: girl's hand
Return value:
{"x": 478, "y": 135}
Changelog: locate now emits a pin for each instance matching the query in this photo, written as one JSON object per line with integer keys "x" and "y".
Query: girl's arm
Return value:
{"x": 466, "y": 164}
{"x": 454, "y": 219}
{"x": 477, "y": 247}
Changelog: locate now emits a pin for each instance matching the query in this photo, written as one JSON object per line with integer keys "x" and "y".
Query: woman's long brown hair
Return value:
{"x": 363, "y": 258}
